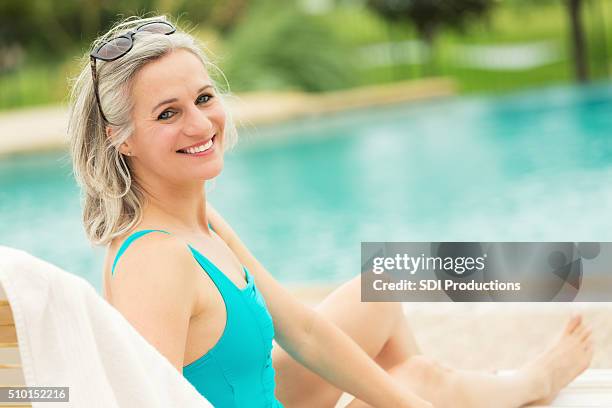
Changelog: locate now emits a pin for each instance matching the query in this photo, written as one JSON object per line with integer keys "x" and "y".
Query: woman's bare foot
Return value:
{"x": 562, "y": 362}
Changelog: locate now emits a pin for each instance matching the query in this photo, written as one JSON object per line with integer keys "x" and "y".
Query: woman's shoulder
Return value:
{"x": 135, "y": 239}
{"x": 154, "y": 257}
{"x": 156, "y": 264}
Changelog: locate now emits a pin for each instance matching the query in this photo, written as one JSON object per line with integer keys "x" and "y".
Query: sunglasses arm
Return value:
{"x": 94, "y": 77}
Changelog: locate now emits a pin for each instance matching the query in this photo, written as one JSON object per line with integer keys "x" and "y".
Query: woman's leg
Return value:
{"x": 380, "y": 329}
{"x": 383, "y": 333}
{"x": 536, "y": 383}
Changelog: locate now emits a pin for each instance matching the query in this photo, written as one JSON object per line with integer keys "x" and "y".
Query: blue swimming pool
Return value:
{"x": 533, "y": 165}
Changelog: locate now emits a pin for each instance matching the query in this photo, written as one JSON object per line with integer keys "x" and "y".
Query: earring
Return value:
{"x": 129, "y": 153}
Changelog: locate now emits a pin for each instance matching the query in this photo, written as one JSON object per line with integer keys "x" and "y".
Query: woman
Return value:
{"x": 148, "y": 128}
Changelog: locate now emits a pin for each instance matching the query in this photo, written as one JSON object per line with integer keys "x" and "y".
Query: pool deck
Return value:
{"x": 44, "y": 128}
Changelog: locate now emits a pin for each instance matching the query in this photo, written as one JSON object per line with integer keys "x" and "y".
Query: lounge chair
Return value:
{"x": 11, "y": 374}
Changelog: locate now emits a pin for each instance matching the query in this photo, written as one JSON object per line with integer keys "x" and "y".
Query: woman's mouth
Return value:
{"x": 201, "y": 149}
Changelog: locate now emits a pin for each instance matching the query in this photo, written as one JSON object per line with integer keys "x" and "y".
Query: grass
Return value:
{"x": 38, "y": 82}
{"x": 474, "y": 80}
{"x": 32, "y": 85}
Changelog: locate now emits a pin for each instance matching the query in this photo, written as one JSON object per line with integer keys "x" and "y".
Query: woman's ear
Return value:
{"x": 124, "y": 148}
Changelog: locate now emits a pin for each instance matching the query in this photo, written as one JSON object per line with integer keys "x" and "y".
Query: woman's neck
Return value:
{"x": 183, "y": 209}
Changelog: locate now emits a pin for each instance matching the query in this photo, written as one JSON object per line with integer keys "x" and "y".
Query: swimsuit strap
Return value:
{"x": 128, "y": 242}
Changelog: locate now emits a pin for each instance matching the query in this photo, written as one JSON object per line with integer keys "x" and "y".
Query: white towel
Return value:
{"x": 69, "y": 336}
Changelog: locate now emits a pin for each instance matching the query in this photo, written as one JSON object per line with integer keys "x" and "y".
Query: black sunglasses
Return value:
{"x": 117, "y": 47}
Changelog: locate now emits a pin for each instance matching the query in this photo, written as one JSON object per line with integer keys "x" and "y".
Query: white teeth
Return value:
{"x": 201, "y": 148}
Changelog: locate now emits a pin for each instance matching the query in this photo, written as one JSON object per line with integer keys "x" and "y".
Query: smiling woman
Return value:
{"x": 100, "y": 126}
{"x": 148, "y": 129}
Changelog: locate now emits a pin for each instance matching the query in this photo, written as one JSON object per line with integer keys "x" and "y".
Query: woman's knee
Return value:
{"x": 394, "y": 310}
{"x": 345, "y": 308}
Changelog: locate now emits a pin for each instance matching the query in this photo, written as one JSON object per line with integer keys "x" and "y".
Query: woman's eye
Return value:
{"x": 203, "y": 98}
{"x": 165, "y": 115}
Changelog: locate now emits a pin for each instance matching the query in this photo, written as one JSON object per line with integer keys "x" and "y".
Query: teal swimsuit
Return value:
{"x": 237, "y": 371}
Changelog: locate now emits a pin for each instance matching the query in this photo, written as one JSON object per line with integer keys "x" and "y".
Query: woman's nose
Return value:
{"x": 197, "y": 123}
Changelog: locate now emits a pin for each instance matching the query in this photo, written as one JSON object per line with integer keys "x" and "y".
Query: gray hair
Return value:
{"x": 112, "y": 199}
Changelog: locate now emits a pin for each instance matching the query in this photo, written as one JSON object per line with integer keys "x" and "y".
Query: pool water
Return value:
{"x": 529, "y": 166}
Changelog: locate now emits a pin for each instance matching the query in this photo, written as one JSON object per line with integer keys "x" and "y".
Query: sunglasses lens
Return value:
{"x": 157, "y": 28}
{"x": 114, "y": 48}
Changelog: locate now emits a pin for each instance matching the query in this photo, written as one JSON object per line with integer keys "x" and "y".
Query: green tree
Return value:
{"x": 222, "y": 15}
{"x": 54, "y": 28}
{"x": 579, "y": 48}
{"x": 429, "y": 16}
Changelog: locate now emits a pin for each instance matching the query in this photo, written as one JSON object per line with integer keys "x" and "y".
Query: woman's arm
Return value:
{"x": 314, "y": 341}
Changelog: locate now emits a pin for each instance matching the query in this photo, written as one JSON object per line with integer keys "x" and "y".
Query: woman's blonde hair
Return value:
{"x": 112, "y": 198}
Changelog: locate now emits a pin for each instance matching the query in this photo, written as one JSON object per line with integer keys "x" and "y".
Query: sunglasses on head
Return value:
{"x": 117, "y": 47}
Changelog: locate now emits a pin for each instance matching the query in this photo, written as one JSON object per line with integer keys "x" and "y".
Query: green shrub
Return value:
{"x": 287, "y": 49}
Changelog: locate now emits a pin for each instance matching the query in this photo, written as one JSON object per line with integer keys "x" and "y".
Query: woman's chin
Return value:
{"x": 212, "y": 172}
{"x": 202, "y": 172}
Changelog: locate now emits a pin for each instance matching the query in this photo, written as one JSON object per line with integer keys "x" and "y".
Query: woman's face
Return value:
{"x": 179, "y": 121}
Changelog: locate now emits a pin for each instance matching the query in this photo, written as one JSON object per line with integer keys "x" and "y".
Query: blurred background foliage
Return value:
{"x": 283, "y": 48}
{"x": 321, "y": 45}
